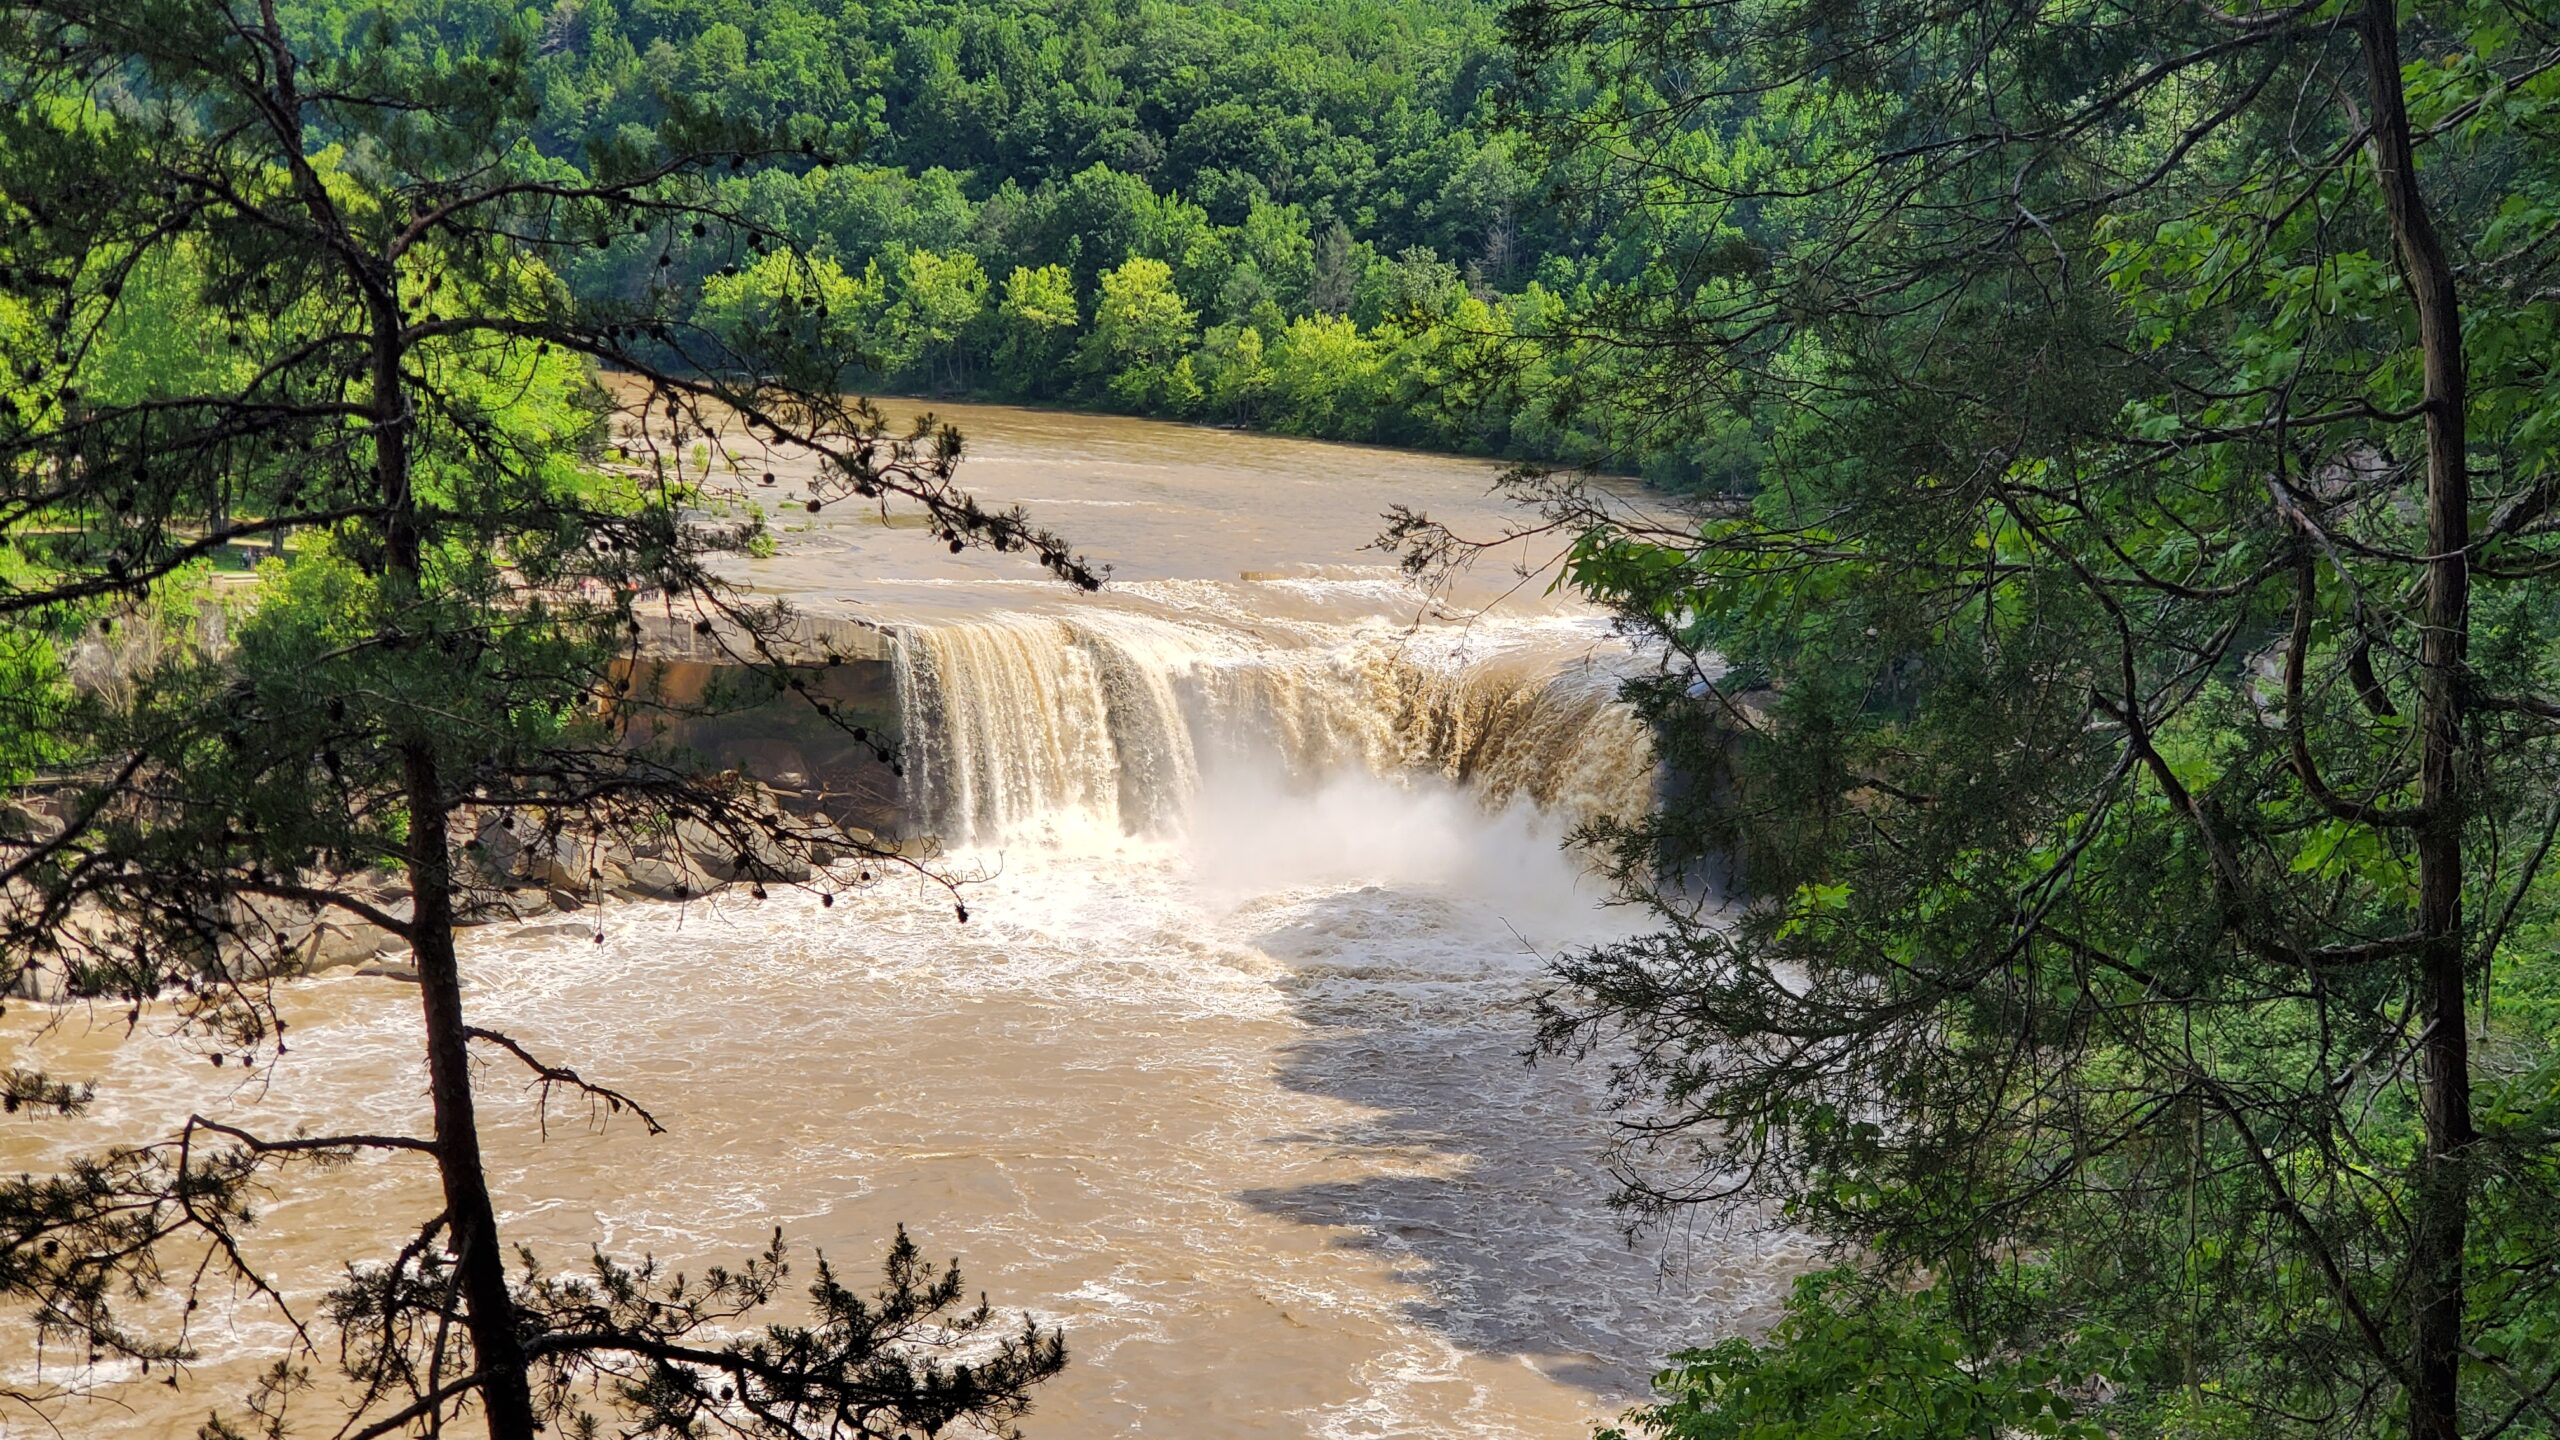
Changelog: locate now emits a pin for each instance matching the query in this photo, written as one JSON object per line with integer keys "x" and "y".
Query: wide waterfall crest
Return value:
{"x": 1117, "y": 713}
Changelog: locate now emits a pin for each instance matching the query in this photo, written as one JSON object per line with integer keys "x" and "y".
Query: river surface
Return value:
{"x": 1224, "y": 1075}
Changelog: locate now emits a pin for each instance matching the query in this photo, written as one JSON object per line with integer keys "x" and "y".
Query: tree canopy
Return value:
{"x": 1286, "y": 160}
{"x": 2127, "y": 682}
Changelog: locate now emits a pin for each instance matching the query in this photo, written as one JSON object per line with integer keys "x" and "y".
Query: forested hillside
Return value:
{"x": 1280, "y": 213}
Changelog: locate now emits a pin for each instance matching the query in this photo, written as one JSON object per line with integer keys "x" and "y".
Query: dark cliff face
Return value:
{"x": 738, "y": 719}
{"x": 825, "y": 735}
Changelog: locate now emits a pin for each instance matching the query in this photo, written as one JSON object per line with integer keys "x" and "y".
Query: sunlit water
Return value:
{"x": 1224, "y": 1074}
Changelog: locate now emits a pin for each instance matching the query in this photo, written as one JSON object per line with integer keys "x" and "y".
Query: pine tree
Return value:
{"x": 266, "y": 282}
{"x": 2137, "y": 741}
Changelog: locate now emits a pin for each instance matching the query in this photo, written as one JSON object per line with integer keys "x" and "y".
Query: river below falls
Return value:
{"x": 1224, "y": 1075}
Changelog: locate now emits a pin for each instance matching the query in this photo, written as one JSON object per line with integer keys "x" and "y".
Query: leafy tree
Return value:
{"x": 1478, "y": 207}
{"x": 1850, "y": 1362}
{"x": 1276, "y": 241}
{"x": 1035, "y": 319}
{"x": 940, "y": 298}
{"x": 1239, "y": 379}
{"x": 864, "y": 212}
{"x": 1415, "y": 286}
{"x": 1140, "y": 327}
{"x": 716, "y": 60}
{"x": 1184, "y": 394}
{"x": 1327, "y": 377}
{"x": 782, "y": 299}
{"x": 2150, "y": 759}
{"x": 448, "y": 661}
{"x": 1336, "y": 271}
{"x": 1096, "y": 218}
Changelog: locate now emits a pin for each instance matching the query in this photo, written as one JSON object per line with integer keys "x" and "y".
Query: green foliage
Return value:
{"x": 1326, "y": 377}
{"x": 939, "y": 301}
{"x": 2124, "y": 678}
{"x": 1850, "y": 1362}
{"x": 1288, "y": 161}
{"x": 786, "y": 300}
{"x": 1035, "y": 322}
{"x": 1140, "y": 328}
{"x": 295, "y": 297}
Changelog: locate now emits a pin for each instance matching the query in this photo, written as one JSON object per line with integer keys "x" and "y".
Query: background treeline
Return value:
{"x": 1276, "y": 213}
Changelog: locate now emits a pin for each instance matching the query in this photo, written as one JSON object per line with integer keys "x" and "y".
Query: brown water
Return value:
{"x": 1224, "y": 1076}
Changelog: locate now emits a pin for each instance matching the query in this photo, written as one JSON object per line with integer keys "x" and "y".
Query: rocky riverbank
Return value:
{"x": 512, "y": 870}
{"x": 812, "y": 770}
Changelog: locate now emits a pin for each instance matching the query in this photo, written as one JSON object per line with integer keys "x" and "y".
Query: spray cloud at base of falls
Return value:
{"x": 1130, "y": 716}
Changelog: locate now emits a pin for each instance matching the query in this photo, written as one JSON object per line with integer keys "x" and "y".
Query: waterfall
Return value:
{"x": 1118, "y": 715}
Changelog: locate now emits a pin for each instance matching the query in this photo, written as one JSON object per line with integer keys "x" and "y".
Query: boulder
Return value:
{"x": 716, "y": 855}
{"x": 707, "y": 850}
{"x": 22, "y": 821}
{"x": 531, "y": 932}
{"x": 387, "y": 891}
{"x": 837, "y": 842}
{"x": 497, "y": 908}
{"x": 614, "y": 875}
{"x": 498, "y": 837}
{"x": 496, "y": 857}
{"x": 337, "y": 943}
{"x": 655, "y": 879}
{"x": 566, "y": 862}
{"x": 41, "y": 984}
{"x": 783, "y": 869}
{"x": 777, "y": 761}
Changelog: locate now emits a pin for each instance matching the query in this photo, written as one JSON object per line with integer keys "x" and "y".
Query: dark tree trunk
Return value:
{"x": 2440, "y": 1207}
{"x": 489, "y": 1312}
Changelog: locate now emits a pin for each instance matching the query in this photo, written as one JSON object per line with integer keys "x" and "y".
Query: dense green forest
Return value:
{"x": 1282, "y": 214}
{"x": 283, "y": 287}
{"x": 1286, "y": 216}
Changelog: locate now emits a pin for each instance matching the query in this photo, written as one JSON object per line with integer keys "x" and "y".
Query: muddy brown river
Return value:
{"x": 1224, "y": 1077}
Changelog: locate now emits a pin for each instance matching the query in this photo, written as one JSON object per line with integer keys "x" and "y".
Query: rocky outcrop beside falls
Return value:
{"x": 808, "y": 731}
{"x": 509, "y": 871}
{"x": 808, "y": 736}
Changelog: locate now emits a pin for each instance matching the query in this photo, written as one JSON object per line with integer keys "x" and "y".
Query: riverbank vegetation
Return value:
{"x": 2126, "y": 652}
{"x": 1280, "y": 214}
{"x": 2143, "y": 651}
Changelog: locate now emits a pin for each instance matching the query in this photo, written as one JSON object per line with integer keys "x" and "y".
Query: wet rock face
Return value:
{"x": 821, "y": 734}
{"x": 819, "y": 747}
{"x": 516, "y": 868}
{"x": 334, "y": 943}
